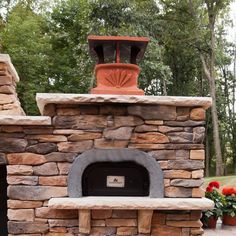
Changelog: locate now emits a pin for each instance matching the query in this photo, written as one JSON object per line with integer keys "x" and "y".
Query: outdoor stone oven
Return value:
{"x": 48, "y": 156}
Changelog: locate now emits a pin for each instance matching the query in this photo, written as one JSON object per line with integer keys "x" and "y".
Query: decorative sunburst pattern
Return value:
{"x": 118, "y": 78}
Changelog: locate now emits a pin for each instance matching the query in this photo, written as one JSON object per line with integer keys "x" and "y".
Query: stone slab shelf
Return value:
{"x": 24, "y": 120}
{"x": 144, "y": 205}
{"x": 44, "y": 99}
{"x": 131, "y": 203}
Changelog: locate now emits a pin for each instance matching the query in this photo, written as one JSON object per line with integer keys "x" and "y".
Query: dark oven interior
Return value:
{"x": 115, "y": 179}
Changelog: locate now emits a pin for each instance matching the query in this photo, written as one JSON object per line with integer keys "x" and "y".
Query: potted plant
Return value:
{"x": 210, "y": 217}
{"x": 229, "y": 206}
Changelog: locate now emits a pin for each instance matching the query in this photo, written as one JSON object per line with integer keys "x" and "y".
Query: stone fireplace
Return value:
{"x": 95, "y": 164}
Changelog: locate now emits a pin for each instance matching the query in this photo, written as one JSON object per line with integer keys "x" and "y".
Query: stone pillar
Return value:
{"x": 9, "y": 103}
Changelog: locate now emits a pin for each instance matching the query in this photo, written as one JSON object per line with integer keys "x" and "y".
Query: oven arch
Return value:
{"x": 115, "y": 155}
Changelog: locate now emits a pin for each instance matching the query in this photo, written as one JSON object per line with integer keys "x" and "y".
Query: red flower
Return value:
{"x": 228, "y": 191}
{"x": 214, "y": 184}
{"x": 209, "y": 189}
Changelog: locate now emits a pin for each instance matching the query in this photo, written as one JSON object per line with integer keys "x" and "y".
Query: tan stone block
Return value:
{"x": 7, "y": 98}
{"x": 101, "y": 214}
{"x": 48, "y": 138}
{"x": 58, "y": 234}
{"x": 174, "y": 174}
{"x": 126, "y": 231}
{"x": 184, "y": 224}
{"x": 121, "y": 133}
{"x": 84, "y": 136}
{"x": 144, "y": 221}
{"x": 25, "y": 159}
{"x": 178, "y": 192}
{"x": 20, "y": 214}
{"x": 46, "y": 212}
{"x": 149, "y": 137}
{"x": 103, "y": 143}
{"x": 25, "y": 234}
{"x": 77, "y": 147}
{"x": 197, "y": 231}
{"x": 63, "y": 223}
{"x": 5, "y": 80}
{"x": 25, "y": 180}
{"x": 197, "y": 174}
{"x": 145, "y": 128}
{"x": 17, "y": 204}
{"x": 198, "y": 192}
{"x": 7, "y": 89}
{"x": 121, "y": 222}
{"x": 98, "y": 223}
{"x": 84, "y": 221}
{"x": 197, "y": 154}
{"x": 146, "y": 146}
{"x": 102, "y": 231}
{"x": 68, "y": 111}
{"x": 198, "y": 114}
{"x": 12, "y": 129}
{"x": 185, "y": 231}
{"x": 188, "y": 183}
{"x": 166, "y": 182}
{"x": 64, "y": 167}
{"x": 167, "y": 129}
{"x": 19, "y": 170}
{"x": 163, "y": 164}
{"x": 154, "y": 122}
{"x": 53, "y": 181}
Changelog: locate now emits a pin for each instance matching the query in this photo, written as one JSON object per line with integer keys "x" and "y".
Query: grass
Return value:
{"x": 223, "y": 180}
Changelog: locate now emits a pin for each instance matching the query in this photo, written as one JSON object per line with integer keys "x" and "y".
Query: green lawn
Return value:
{"x": 223, "y": 180}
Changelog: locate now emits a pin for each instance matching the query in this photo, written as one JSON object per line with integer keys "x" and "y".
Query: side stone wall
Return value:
{"x": 39, "y": 158}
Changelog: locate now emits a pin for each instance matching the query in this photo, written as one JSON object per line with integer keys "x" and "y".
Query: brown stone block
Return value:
{"x": 144, "y": 221}
{"x": 121, "y": 222}
{"x": 184, "y": 224}
{"x": 174, "y": 174}
{"x": 185, "y": 164}
{"x": 25, "y": 180}
{"x": 77, "y": 147}
{"x": 180, "y": 137}
{"x": 60, "y": 157}
{"x": 16, "y": 204}
{"x": 198, "y": 114}
{"x": 182, "y": 154}
{"x": 198, "y": 134}
{"x": 167, "y": 129}
{"x": 12, "y": 129}
{"x": 177, "y": 217}
{"x": 7, "y": 89}
{"x": 103, "y": 143}
{"x": 164, "y": 230}
{"x": 101, "y": 231}
{"x": 15, "y": 227}
{"x": 53, "y": 181}
{"x": 83, "y": 122}
{"x": 58, "y": 229}
{"x": 146, "y": 128}
{"x": 58, "y": 234}
{"x": 34, "y": 130}
{"x": 126, "y": 231}
{"x": 42, "y": 148}
{"x": 11, "y": 145}
{"x": 149, "y": 137}
{"x": 197, "y": 154}
{"x": 166, "y": 182}
{"x": 25, "y": 159}
{"x": 196, "y": 215}
{"x": 84, "y": 136}
{"x": 28, "y": 193}
{"x": 84, "y": 221}
{"x": 127, "y": 121}
{"x": 68, "y": 111}
{"x": 48, "y": 138}
{"x": 46, "y": 169}
{"x": 3, "y": 160}
{"x": 153, "y": 112}
{"x": 101, "y": 214}
{"x": 163, "y": 154}
{"x": 114, "y": 109}
{"x": 46, "y": 212}
{"x": 19, "y": 170}
{"x": 121, "y": 133}
{"x": 178, "y": 192}
{"x": 158, "y": 218}
{"x": 146, "y": 146}
{"x": 64, "y": 168}
{"x": 187, "y": 123}
{"x": 188, "y": 183}
{"x": 124, "y": 214}
{"x": 163, "y": 164}
{"x": 20, "y": 214}
{"x": 185, "y": 231}
{"x": 154, "y": 122}
{"x": 5, "y": 80}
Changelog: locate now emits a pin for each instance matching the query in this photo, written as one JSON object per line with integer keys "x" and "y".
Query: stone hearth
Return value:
{"x": 39, "y": 152}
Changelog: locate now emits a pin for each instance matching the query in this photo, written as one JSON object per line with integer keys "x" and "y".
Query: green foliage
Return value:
{"x": 230, "y": 205}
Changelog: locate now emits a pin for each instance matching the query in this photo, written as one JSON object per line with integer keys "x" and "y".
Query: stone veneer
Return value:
{"x": 39, "y": 154}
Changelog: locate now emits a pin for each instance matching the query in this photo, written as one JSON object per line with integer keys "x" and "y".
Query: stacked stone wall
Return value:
{"x": 39, "y": 158}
